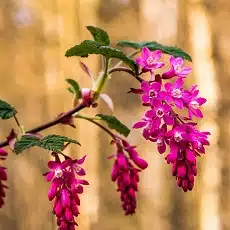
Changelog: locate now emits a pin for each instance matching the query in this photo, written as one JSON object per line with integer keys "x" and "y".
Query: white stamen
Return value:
{"x": 177, "y": 93}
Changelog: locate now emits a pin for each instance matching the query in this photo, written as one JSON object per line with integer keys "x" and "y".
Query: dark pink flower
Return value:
{"x": 176, "y": 69}
{"x": 193, "y": 102}
{"x": 150, "y": 60}
{"x": 65, "y": 189}
{"x": 175, "y": 93}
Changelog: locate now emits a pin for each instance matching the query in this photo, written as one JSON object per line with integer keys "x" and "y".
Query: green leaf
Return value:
{"x": 25, "y": 142}
{"x": 99, "y": 35}
{"x": 75, "y": 88}
{"x": 91, "y": 47}
{"x": 52, "y": 142}
{"x": 6, "y": 110}
{"x": 171, "y": 50}
{"x": 114, "y": 123}
{"x": 55, "y": 143}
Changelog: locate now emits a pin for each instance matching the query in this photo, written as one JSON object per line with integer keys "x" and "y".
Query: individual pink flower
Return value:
{"x": 3, "y": 177}
{"x": 151, "y": 91}
{"x": 193, "y": 102}
{"x": 159, "y": 137}
{"x": 65, "y": 189}
{"x": 150, "y": 60}
{"x": 176, "y": 69}
{"x": 175, "y": 93}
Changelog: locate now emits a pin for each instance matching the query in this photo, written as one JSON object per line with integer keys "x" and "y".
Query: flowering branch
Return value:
{"x": 50, "y": 123}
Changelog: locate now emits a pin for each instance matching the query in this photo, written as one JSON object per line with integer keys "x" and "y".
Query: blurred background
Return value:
{"x": 34, "y": 35}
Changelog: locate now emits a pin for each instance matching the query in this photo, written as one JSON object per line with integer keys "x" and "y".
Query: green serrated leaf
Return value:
{"x": 91, "y": 47}
{"x": 55, "y": 142}
{"x": 52, "y": 142}
{"x": 171, "y": 50}
{"x": 6, "y": 110}
{"x": 25, "y": 142}
{"x": 75, "y": 88}
{"x": 99, "y": 35}
{"x": 114, "y": 123}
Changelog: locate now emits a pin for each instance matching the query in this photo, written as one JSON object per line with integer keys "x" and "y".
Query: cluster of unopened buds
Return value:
{"x": 162, "y": 124}
{"x": 125, "y": 172}
{"x": 3, "y": 177}
{"x": 65, "y": 188}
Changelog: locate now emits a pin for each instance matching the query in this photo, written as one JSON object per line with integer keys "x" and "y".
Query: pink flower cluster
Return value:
{"x": 125, "y": 172}
{"x": 3, "y": 177}
{"x": 161, "y": 124}
{"x": 65, "y": 189}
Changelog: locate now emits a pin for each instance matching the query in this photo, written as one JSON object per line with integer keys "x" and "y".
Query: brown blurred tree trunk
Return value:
{"x": 220, "y": 25}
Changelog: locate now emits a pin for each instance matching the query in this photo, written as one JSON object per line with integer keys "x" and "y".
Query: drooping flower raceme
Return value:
{"x": 64, "y": 189}
{"x": 3, "y": 177}
{"x": 125, "y": 172}
{"x": 162, "y": 125}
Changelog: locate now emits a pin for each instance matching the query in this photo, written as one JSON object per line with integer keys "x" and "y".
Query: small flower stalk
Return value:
{"x": 163, "y": 125}
{"x": 65, "y": 188}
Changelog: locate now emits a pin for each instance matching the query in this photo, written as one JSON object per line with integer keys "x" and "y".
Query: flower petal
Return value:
{"x": 145, "y": 52}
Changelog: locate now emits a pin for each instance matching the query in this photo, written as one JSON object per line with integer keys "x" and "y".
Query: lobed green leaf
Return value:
{"x": 52, "y": 142}
{"x": 99, "y": 35}
{"x": 6, "y": 110}
{"x": 171, "y": 50}
{"x": 92, "y": 47}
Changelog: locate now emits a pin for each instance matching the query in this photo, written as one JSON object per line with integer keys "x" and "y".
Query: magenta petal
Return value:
{"x": 169, "y": 74}
{"x": 201, "y": 100}
{"x": 156, "y": 55}
{"x": 3, "y": 152}
{"x": 158, "y": 65}
{"x": 140, "y": 61}
{"x": 186, "y": 71}
{"x": 179, "y": 83}
{"x": 84, "y": 182}
{"x": 79, "y": 189}
{"x": 145, "y": 86}
{"x": 65, "y": 199}
{"x": 179, "y": 61}
{"x": 81, "y": 160}
{"x": 68, "y": 214}
{"x": 139, "y": 124}
{"x": 168, "y": 120}
{"x": 168, "y": 87}
{"x": 197, "y": 113}
{"x": 145, "y": 52}
{"x": 146, "y": 134}
{"x": 172, "y": 60}
{"x": 80, "y": 172}
{"x": 150, "y": 113}
{"x": 145, "y": 98}
{"x": 156, "y": 86}
{"x": 181, "y": 171}
{"x": 49, "y": 176}
{"x": 166, "y": 108}
{"x": 53, "y": 164}
{"x": 161, "y": 148}
{"x": 179, "y": 103}
{"x": 52, "y": 191}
